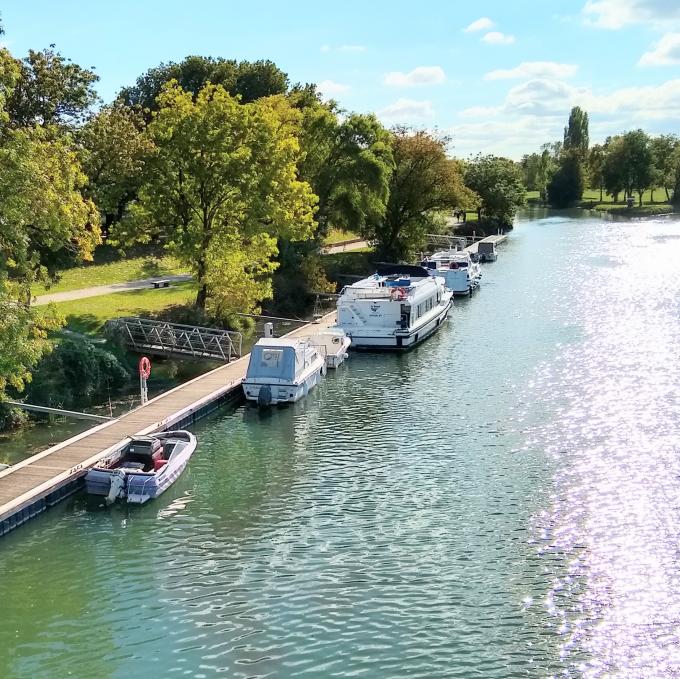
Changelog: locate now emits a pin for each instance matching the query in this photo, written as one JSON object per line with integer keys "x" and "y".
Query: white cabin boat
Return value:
{"x": 396, "y": 308}
{"x": 333, "y": 343}
{"x": 487, "y": 251}
{"x": 460, "y": 271}
{"x": 282, "y": 370}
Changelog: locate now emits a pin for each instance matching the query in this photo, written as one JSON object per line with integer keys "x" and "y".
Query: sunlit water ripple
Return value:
{"x": 502, "y": 502}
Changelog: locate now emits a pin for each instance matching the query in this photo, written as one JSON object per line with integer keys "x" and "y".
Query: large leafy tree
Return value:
{"x": 114, "y": 148}
{"x": 663, "y": 148}
{"x": 424, "y": 185}
{"x": 576, "y": 138}
{"x": 566, "y": 185}
{"x": 220, "y": 189}
{"x": 249, "y": 80}
{"x": 498, "y": 183}
{"x": 596, "y": 159}
{"x": 348, "y": 163}
{"x": 638, "y": 161}
{"x": 614, "y": 167}
{"x": 51, "y": 90}
{"x": 43, "y": 216}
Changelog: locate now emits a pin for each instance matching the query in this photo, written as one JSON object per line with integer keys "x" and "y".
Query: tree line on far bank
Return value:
{"x": 625, "y": 165}
{"x": 226, "y": 165}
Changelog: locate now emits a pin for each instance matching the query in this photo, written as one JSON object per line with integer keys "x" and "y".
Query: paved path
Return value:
{"x": 108, "y": 289}
{"x": 144, "y": 283}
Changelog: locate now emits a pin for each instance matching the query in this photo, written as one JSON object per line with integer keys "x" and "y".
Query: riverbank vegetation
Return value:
{"x": 220, "y": 168}
{"x": 624, "y": 173}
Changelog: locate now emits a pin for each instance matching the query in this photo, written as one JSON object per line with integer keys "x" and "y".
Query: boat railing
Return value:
{"x": 368, "y": 293}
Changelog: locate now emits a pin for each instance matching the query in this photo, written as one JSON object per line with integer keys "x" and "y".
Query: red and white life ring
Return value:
{"x": 144, "y": 367}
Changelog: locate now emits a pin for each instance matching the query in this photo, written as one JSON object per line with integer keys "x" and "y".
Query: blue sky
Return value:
{"x": 499, "y": 76}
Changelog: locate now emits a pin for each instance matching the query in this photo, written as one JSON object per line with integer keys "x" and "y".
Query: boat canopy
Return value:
{"x": 402, "y": 269}
{"x": 276, "y": 358}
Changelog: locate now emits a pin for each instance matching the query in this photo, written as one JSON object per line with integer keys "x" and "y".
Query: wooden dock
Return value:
{"x": 29, "y": 487}
{"x": 489, "y": 239}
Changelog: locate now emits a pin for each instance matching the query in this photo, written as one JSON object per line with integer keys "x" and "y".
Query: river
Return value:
{"x": 504, "y": 501}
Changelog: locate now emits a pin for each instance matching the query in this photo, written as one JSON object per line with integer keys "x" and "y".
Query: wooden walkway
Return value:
{"x": 489, "y": 239}
{"x": 29, "y": 487}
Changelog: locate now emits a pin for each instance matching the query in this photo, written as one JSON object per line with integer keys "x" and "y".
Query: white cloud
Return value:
{"x": 422, "y": 75}
{"x": 330, "y": 88}
{"x": 498, "y": 38}
{"x": 481, "y": 24}
{"x": 542, "y": 97}
{"x": 344, "y": 48}
{"x": 407, "y": 110}
{"x": 666, "y": 52}
{"x": 615, "y": 14}
{"x": 534, "y": 69}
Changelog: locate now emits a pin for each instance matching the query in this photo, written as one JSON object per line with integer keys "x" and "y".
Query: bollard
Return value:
{"x": 269, "y": 329}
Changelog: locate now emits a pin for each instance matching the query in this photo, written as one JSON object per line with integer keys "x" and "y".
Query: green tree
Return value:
{"x": 567, "y": 184}
{"x": 663, "y": 148}
{"x": 614, "y": 167}
{"x": 249, "y": 80}
{"x": 51, "y": 90}
{"x": 425, "y": 183}
{"x": 498, "y": 183}
{"x": 114, "y": 148}
{"x": 43, "y": 215}
{"x": 638, "y": 162}
{"x": 224, "y": 179}
{"x": 596, "y": 160}
{"x": 576, "y": 133}
{"x": 348, "y": 164}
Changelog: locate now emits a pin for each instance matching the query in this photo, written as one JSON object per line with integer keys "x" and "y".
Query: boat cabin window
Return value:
{"x": 271, "y": 358}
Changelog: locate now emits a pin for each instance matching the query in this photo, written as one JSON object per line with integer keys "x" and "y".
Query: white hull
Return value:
{"x": 380, "y": 338}
{"x": 283, "y": 392}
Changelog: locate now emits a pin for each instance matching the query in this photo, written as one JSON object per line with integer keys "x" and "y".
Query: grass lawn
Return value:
{"x": 91, "y": 275}
{"x": 89, "y": 315}
{"x": 338, "y": 235}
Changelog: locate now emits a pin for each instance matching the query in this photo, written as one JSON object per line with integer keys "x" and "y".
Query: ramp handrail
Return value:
{"x": 162, "y": 337}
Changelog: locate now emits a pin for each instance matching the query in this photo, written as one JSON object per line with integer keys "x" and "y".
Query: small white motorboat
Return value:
{"x": 461, "y": 272}
{"x": 144, "y": 468}
{"x": 282, "y": 370}
{"x": 333, "y": 344}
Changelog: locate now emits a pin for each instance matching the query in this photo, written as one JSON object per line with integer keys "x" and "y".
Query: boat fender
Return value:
{"x": 117, "y": 486}
{"x": 323, "y": 370}
{"x": 264, "y": 396}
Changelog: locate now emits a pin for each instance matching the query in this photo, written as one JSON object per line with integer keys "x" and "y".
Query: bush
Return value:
{"x": 11, "y": 418}
{"x": 76, "y": 374}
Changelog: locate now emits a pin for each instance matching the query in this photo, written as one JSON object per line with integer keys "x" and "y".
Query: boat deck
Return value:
{"x": 28, "y": 487}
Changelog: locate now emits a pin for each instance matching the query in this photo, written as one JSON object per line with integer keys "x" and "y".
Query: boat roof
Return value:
{"x": 412, "y": 270}
{"x": 278, "y": 342}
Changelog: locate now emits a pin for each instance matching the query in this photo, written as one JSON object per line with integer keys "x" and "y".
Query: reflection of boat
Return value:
{"x": 396, "y": 308}
{"x": 144, "y": 469}
{"x": 282, "y": 370}
{"x": 460, "y": 271}
{"x": 333, "y": 344}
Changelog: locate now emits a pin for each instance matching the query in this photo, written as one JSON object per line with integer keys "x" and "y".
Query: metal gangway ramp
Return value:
{"x": 177, "y": 340}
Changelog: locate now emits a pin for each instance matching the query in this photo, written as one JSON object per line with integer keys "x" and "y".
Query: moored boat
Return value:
{"x": 333, "y": 344}
{"x": 146, "y": 467}
{"x": 396, "y": 308}
{"x": 282, "y": 370}
{"x": 460, "y": 271}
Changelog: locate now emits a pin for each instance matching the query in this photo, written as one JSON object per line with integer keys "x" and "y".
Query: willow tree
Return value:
{"x": 223, "y": 182}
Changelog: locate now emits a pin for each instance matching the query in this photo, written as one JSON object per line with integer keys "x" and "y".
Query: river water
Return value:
{"x": 504, "y": 501}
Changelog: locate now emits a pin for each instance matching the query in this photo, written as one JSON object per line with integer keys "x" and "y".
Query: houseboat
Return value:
{"x": 282, "y": 370}
{"x": 396, "y": 308}
{"x": 458, "y": 268}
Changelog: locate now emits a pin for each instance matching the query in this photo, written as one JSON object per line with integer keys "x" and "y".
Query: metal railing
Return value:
{"x": 174, "y": 339}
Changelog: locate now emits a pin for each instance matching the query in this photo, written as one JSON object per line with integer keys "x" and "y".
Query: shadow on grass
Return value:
{"x": 86, "y": 324}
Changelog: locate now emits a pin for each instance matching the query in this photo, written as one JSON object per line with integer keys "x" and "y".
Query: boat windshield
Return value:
{"x": 276, "y": 362}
